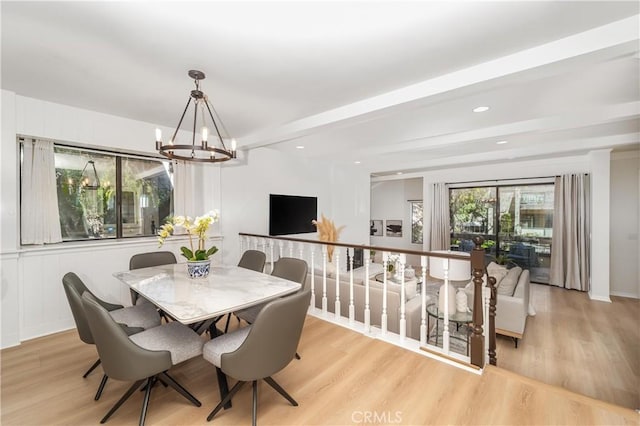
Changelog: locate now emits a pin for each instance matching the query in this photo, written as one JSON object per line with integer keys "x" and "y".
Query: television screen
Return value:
{"x": 290, "y": 214}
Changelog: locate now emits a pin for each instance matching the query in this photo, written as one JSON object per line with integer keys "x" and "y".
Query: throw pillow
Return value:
{"x": 497, "y": 271}
{"x": 508, "y": 284}
{"x": 331, "y": 270}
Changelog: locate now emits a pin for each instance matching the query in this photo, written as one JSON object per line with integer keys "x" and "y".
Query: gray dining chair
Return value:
{"x": 260, "y": 350}
{"x": 288, "y": 268}
{"x": 144, "y": 357}
{"x": 251, "y": 259}
{"x": 132, "y": 319}
{"x": 147, "y": 260}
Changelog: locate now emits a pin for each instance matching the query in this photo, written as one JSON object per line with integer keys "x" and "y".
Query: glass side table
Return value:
{"x": 394, "y": 280}
{"x": 458, "y": 318}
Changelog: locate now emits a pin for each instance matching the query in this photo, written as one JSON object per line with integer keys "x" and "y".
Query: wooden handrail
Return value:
{"x": 448, "y": 255}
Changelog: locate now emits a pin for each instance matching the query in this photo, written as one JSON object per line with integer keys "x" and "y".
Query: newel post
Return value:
{"x": 477, "y": 268}
{"x": 492, "y": 321}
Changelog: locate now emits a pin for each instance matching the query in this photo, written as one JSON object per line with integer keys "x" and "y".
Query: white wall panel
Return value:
{"x": 10, "y": 300}
{"x": 624, "y": 255}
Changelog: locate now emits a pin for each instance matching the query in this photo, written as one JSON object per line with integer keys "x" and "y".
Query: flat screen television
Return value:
{"x": 291, "y": 214}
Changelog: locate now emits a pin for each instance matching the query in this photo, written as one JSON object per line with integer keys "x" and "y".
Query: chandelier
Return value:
{"x": 89, "y": 178}
{"x": 202, "y": 151}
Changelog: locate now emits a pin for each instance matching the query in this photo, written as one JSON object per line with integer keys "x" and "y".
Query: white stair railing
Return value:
{"x": 345, "y": 279}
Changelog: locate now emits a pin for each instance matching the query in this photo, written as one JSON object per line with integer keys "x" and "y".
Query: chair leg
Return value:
{"x": 254, "y": 410}
{"x": 281, "y": 391}
{"x": 225, "y": 400}
{"x": 226, "y": 327}
{"x": 121, "y": 401}
{"x": 101, "y": 387}
{"x": 93, "y": 367}
{"x": 181, "y": 390}
{"x": 145, "y": 403}
{"x": 298, "y": 356}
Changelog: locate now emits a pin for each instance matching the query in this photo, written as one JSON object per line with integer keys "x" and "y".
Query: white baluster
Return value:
{"x": 385, "y": 318}
{"x": 290, "y": 248}
{"x": 352, "y": 308}
{"x": 280, "y": 248}
{"x": 337, "y": 305}
{"x": 313, "y": 276}
{"x": 255, "y": 243}
{"x": 241, "y": 244}
{"x": 324, "y": 279}
{"x": 445, "y": 332}
{"x": 301, "y": 251}
{"x": 367, "y": 310}
{"x": 423, "y": 321}
{"x": 403, "y": 316}
{"x": 271, "y": 243}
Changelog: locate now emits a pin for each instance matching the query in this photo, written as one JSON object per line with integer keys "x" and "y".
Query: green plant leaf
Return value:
{"x": 212, "y": 251}
{"x": 200, "y": 255}
{"x": 187, "y": 253}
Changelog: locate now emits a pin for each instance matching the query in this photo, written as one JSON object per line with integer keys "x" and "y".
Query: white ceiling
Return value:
{"x": 389, "y": 84}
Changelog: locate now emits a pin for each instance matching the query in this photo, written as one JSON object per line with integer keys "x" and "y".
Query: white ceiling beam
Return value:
{"x": 606, "y": 42}
{"x": 547, "y": 149}
{"x": 577, "y": 119}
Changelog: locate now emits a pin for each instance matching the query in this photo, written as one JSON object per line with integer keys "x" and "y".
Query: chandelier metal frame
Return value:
{"x": 215, "y": 154}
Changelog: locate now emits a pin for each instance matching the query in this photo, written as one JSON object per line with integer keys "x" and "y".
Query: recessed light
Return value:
{"x": 398, "y": 173}
{"x": 299, "y": 147}
{"x": 356, "y": 162}
{"x": 481, "y": 109}
{"x": 501, "y": 142}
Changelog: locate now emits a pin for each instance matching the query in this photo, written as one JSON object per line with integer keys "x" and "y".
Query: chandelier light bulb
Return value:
{"x": 158, "y": 135}
{"x": 233, "y": 144}
{"x": 205, "y": 133}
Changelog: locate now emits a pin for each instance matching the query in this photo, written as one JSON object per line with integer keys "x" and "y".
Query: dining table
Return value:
{"x": 199, "y": 302}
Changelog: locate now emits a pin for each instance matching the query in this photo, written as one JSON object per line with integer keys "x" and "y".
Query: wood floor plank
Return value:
{"x": 347, "y": 378}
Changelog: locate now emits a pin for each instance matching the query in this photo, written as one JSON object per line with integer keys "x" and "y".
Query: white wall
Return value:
{"x": 342, "y": 196}
{"x": 625, "y": 214}
{"x": 389, "y": 200}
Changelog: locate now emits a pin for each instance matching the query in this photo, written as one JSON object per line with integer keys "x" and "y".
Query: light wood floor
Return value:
{"x": 585, "y": 346}
{"x": 343, "y": 378}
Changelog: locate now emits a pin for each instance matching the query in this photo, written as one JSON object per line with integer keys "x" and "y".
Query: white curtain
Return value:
{"x": 440, "y": 226}
{"x": 183, "y": 186}
{"x": 570, "y": 252}
{"x": 40, "y": 219}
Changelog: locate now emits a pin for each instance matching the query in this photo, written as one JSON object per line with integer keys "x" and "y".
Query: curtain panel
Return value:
{"x": 440, "y": 222}
{"x": 570, "y": 254}
{"x": 39, "y": 215}
{"x": 183, "y": 189}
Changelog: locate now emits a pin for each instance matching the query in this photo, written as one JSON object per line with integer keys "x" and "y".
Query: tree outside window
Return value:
{"x": 416, "y": 222}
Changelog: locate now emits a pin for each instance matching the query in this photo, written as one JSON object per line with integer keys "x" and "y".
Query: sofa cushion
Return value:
{"x": 358, "y": 273}
{"x": 410, "y": 287}
{"x": 508, "y": 283}
{"x": 497, "y": 271}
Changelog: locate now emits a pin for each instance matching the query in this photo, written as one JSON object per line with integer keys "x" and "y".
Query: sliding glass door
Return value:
{"x": 516, "y": 222}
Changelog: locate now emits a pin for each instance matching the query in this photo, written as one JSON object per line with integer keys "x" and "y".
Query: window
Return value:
{"x": 104, "y": 195}
{"x": 516, "y": 222}
{"x": 416, "y": 221}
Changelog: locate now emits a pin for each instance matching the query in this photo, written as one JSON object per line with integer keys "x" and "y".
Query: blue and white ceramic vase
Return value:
{"x": 198, "y": 268}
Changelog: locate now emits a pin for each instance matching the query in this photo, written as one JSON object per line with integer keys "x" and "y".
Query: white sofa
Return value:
{"x": 511, "y": 310}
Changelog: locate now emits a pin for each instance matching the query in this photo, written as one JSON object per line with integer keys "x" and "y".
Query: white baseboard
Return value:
{"x": 599, "y": 298}
{"x": 625, "y": 294}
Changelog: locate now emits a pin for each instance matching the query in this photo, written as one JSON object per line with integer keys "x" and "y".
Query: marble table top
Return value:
{"x": 226, "y": 289}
